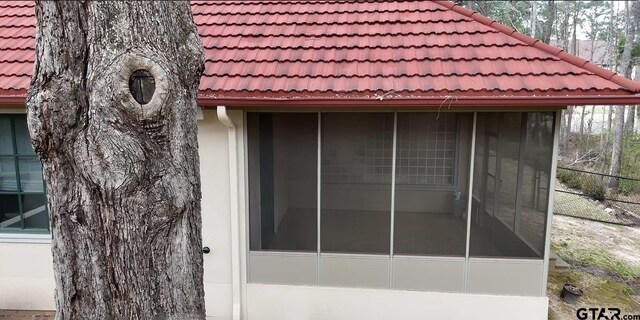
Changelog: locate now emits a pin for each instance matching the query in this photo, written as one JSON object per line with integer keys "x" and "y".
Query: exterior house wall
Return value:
{"x": 26, "y": 275}
{"x": 26, "y": 279}
{"x": 299, "y": 302}
{"x": 26, "y": 270}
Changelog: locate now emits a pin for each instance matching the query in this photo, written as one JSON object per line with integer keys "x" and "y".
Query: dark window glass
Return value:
{"x": 357, "y": 151}
{"x": 8, "y": 177}
{"x": 23, "y": 203}
{"x": 9, "y": 211}
{"x": 283, "y": 181}
{"x": 431, "y": 184}
{"x": 35, "y": 211}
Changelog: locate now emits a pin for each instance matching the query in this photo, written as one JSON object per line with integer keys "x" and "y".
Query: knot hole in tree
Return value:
{"x": 142, "y": 85}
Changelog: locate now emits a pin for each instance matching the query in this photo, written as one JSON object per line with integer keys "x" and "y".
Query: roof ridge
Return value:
{"x": 631, "y": 85}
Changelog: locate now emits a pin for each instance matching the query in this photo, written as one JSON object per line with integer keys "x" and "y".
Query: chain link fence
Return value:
{"x": 584, "y": 194}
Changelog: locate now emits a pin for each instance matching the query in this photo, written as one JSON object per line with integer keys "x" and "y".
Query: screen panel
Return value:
{"x": 357, "y": 151}
{"x": 282, "y": 151}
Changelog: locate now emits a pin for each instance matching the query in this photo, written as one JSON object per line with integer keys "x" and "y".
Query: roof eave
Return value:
{"x": 515, "y": 101}
{"x": 479, "y": 101}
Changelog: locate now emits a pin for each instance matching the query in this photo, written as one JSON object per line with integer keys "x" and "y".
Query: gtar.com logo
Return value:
{"x": 604, "y": 314}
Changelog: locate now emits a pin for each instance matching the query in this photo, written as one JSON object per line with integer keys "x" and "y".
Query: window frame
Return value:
{"x": 19, "y": 192}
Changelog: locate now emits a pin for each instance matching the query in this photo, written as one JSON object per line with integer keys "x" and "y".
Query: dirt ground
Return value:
{"x": 621, "y": 242}
{"x": 605, "y": 261}
{"x": 26, "y": 315}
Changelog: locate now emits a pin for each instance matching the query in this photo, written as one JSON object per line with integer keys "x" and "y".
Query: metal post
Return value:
{"x": 393, "y": 195}
{"x": 552, "y": 181}
{"x": 470, "y": 198}
{"x": 318, "y": 195}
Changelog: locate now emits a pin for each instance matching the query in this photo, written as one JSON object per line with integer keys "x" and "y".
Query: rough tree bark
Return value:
{"x": 122, "y": 177}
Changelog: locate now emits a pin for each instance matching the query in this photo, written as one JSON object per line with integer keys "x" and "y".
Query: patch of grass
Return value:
{"x": 599, "y": 258}
{"x": 597, "y": 292}
{"x": 581, "y": 207}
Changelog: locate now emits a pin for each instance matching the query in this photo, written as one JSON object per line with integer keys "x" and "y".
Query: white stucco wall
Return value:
{"x": 216, "y": 223}
{"x": 279, "y": 302}
{"x": 26, "y": 276}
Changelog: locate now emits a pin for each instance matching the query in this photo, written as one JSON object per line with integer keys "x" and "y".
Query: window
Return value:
{"x": 23, "y": 205}
{"x": 511, "y": 185}
{"x": 426, "y": 149}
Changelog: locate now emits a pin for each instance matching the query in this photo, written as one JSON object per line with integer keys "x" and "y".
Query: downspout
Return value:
{"x": 235, "y": 216}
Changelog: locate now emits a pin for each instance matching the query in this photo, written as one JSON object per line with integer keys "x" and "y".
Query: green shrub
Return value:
{"x": 628, "y": 187}
{"x": 570, "y": 178}
{"x": 593, "y": 188}
{"x": 563, "y": 175}
{"x": 589, "y": 185}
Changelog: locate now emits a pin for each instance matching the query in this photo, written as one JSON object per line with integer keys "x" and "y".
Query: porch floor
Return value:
{"x": 368, "y": 232}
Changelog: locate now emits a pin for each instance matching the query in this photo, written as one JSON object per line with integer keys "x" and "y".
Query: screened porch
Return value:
{"x": 410, "y": 200}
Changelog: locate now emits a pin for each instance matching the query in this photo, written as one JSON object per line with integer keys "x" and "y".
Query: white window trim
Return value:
{"x": 25, "y": 238}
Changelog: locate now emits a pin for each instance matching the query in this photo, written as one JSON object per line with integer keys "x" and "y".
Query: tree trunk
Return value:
{"x": 534, "y": 18}
{"x": 548, "y": 27}
{"x": 564, "y": 27}
{"x": 630, "y": 123}
{"x": 590, "y": 122}
{"x": 569, "y": 126}
{"x": 616, "y": 151}
{"x": 609, "y": 119}
{"x": 122, "y": 172}
{"x": 574, "y": 37}
{"x": 582, "y": 114}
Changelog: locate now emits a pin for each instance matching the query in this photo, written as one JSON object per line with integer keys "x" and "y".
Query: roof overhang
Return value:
{"x": 476, "y": 101}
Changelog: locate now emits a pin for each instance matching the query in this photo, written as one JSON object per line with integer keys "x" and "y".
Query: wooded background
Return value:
{"x": 597, "y": 138}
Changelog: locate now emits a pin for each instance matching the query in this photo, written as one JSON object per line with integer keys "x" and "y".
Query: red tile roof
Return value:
{"x": 310, "y": 52}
